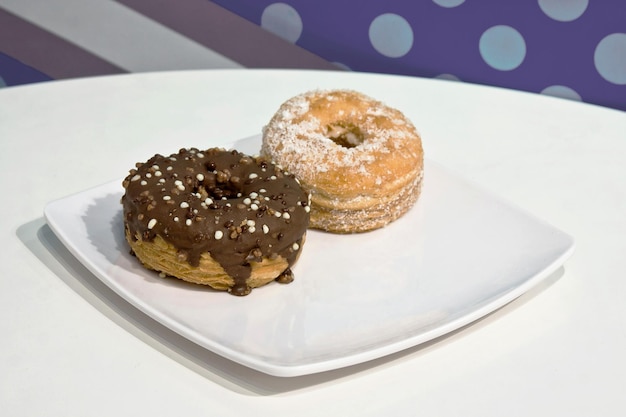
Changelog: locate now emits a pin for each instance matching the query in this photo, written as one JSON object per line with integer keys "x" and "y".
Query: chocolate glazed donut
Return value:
{"x": 215, "y": 217}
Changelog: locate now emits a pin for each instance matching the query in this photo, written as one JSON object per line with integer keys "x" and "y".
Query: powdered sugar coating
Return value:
{"x": 349, "y": 150}
{"x": 296, "y": 121}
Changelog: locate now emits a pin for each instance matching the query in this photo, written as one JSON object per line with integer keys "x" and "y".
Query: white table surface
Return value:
{"x": 70, "y": 346}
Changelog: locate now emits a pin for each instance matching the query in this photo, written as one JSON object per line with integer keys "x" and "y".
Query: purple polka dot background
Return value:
{"x": 574, "y": 49}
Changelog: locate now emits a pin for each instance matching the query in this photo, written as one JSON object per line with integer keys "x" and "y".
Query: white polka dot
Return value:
{"x": 502, "y": 47}
{"x": 450, "y": 77}
{"x": 562, "y": 92}
{"x": 448, "y": 3}
{"x": 563, "y": 10}
{"x": 610, "y": 58}
{"x": 282, "y": 20}
{"x": 391, "y": 35}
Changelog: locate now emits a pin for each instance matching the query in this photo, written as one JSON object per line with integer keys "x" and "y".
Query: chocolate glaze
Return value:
{"x": 238, "y": 208}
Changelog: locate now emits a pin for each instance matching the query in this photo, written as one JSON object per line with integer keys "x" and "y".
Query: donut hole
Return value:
{"x": 345, "y": 134}
{"x": 225, "y": 186}
{"x": 217, "y": 193}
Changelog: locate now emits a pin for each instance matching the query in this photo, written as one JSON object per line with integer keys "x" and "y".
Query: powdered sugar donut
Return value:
{"x": 360, "y": 160}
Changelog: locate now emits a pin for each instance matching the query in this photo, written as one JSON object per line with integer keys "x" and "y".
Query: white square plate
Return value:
{"x": 458, "y": 255}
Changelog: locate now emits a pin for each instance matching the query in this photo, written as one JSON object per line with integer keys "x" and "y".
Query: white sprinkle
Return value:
{"x": 162, "y": 181}
{"x": 254, "y": 206}
{"x": 188, "y": 222}
{"x": 286, "y": 215}
{"x": 253, "y": 195}
{"x": 253, "y": 175}
{"x": 266, "y": 229}
{"x": 307, "y": 208}
{"x": 200, "y": 177}
{"x": 181, "y": 187}
{"x": 277, "y": 214}
{"x": 167, "y": 197}
{"x": 295, "y": 246}
{"x": 184, "y": 204}
{"x": 152, "y": 223}
{"x": 273, "y": 177}
{"x": 219, "y": 234}
{"x": 172, "y": 158}
{"x": 169, "y": 168}
{"x": 262, "y": 190}
{"x": 158, "y": 173}
{"x": 148, "y": 175}
{"x": 208, "y": 201}
{"x": 176, "y": 219}
{"x": 135, "y": 177}
{"x": 195, "y": 211}
{"x": 143, "y": 182}
{"x": 200, "y": 155}
{"x": 247, "y": 201}
{"x": 252, "y": 229}
{"x": 250, "y": 223}
{"x": 155, "y": 167}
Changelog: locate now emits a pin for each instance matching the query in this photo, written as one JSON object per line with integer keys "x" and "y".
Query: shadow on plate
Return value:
{"x": 42, "y": 242}
{"x": 104, "y": 217}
